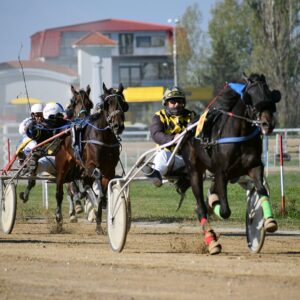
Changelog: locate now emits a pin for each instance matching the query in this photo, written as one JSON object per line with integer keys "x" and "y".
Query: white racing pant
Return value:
{"x": 161, "y": 162}
{"x": 46, "y": 164}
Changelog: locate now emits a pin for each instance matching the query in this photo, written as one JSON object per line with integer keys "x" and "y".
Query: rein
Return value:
{"x": 230, "y": 114}
{"x": 95, "y": 142}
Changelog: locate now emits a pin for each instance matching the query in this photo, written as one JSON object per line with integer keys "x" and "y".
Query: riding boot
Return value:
{"x": 153, "y": 174}
{"x": 32, "y": 164}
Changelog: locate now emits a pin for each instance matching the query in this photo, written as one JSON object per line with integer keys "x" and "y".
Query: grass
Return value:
{"x": 160, "y": 204}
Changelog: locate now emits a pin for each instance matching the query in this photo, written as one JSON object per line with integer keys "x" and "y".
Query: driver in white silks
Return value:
{"x": 38, "y": 130}
{"x": 27, "y": 144}
{"x": 166, "y": 125}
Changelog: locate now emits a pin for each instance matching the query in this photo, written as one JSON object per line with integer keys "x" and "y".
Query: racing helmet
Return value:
{"x": 36, "y": 108}
{"x": 173, "y": 93}
{"x": 53, "y": 110}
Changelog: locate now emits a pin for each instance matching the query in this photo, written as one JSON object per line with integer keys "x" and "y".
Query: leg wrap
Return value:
{"x": 213, "y": 202}
{"x": 266, "y": 207}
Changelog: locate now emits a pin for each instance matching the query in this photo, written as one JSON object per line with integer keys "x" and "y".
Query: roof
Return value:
{"x": 95, "y": 38}
{"x": 46, "y": 43}
{"x": 37, "y": 65}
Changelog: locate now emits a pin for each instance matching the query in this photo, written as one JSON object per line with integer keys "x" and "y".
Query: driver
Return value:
{"x": 27, "y": 144}
{"x": 166, "y": 125}
{"x": 42, "y": 160}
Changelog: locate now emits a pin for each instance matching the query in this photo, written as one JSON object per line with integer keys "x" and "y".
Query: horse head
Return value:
{"x": 114, "y": 106}
{"x": 262, "y": 101}
{"x": 80, "y": 104}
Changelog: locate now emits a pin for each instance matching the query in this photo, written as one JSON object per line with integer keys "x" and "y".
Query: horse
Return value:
{"x": 100, "y": 151}
{"x": 80, "y": 107}
{"x": 229, "y": 147}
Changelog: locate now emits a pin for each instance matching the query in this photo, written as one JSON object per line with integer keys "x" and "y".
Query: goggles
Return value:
{"x": 177, "y": 100}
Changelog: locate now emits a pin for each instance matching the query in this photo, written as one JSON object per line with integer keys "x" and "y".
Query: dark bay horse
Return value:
{"x": 100, "y": 150}
{"x": 230, "y": 147}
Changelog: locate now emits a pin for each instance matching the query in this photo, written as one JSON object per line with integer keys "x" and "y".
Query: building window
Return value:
{"x": 157, "y": 71}
{"x": 157, "y": 41}
{"x": 143, "y": 41}
{"x": 126, "y": 43}
{"x": 150, "y": 41}
{"x": 130, "y": 75}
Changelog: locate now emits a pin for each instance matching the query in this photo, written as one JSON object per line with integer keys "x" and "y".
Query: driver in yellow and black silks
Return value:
{"x": 166, "y": 125}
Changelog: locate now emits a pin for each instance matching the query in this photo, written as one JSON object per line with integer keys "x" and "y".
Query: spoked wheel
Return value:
{"x": 8, "y": 208}
{"x": 117, "y": 219}
{"x": 254, "y": 222}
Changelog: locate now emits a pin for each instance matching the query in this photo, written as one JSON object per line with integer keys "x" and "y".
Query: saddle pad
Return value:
{"x": 201, "y": 123}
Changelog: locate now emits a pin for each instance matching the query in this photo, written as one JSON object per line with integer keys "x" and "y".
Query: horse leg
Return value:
{"x": 72, "y": 214}
{"x": 257, "y": 174}
{"x": 212, "y": 199}
{"x": 102, "y": 204}
{"x": 76, "y": 195}
{"x": 219, "y": 203}
{"x": 25, "y": 195}
{"x": 59, "y": 198}
{"x": 210, "y": 238}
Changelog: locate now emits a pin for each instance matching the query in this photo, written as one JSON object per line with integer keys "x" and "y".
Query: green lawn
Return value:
{"x": 160, "y": 204}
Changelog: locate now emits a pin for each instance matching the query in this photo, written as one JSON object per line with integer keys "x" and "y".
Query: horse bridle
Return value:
{"x": 251, "y": 109}
{"x": 73, "y": 102}
{"x": 115, "y": 112}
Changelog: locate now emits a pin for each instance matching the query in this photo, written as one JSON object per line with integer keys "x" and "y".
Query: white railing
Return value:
{"x": 291, "y": 144}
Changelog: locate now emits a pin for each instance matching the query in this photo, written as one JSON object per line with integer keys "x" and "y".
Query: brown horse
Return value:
{"x": 232, "y": 147}
{"x": 80, "y": 106}
{"x": 100, "y": 150}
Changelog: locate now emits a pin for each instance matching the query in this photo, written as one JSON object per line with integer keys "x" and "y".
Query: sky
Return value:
{"x": 20, "y": 19}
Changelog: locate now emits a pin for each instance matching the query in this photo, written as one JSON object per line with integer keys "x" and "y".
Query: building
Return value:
{"x": 138, "y": 54}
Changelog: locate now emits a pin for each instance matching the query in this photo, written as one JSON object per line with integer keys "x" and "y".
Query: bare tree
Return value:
{"x": 276, "y": 39}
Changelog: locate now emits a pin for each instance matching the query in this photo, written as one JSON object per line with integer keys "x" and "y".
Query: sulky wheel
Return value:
{"x": 117, "y": 219}
{"x": 254, "y": 222}
{"x": 8, "y": 208}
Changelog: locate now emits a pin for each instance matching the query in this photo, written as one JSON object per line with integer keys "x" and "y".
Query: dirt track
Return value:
{"x": 158, "y": 262}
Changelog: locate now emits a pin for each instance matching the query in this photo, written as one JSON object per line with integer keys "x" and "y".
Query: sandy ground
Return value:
{"x": 158, "y": 262}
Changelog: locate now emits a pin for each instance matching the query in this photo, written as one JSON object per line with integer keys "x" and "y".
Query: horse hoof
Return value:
{"x": 22, "y": 197}
{"x": 214, "y": 248}
{"x": 211, "y": 240}
{"x": 99, "y": 230}
{"x": 270, "y": 225}
{"x": 73, "y": 219}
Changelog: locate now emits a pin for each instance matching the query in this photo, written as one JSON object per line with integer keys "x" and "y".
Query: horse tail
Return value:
{"x": 182, "y": 185}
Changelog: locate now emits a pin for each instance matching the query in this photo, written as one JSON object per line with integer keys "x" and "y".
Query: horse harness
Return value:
{"x": 215, "y": 113}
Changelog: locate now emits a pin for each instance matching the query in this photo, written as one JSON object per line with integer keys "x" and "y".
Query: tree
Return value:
{"x": 230, "y": 42}
{"x": 276, "y": 39}
{"x": 191, "y": 43}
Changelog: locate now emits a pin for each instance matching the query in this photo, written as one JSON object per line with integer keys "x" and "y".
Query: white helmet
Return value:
{"x": 36, "y": 108}
{"x": 53, "y": 110}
